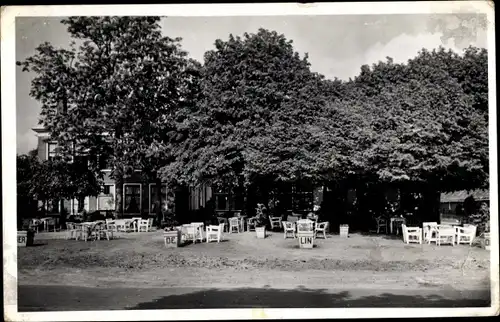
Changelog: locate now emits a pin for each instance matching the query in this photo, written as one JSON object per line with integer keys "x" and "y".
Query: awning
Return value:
{"x": 460, "y": 196}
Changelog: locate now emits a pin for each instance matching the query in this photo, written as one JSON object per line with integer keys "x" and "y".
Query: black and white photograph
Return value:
{"x": 276, "y": 159}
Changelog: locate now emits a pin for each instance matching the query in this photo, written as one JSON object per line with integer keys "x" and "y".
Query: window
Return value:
{"x": 225, "y": 199}
{"x": 152, "y": 197}
{"x": 132, "y": 200}
{"x": 52, "y": 150}
{"x": 104, "y": 162}
{"x": 106, "y": 199}
{"x": 82, "y": 160}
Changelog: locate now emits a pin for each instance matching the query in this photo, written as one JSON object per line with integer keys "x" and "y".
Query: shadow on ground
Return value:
{"x": 32, "y": 298}
{"x": 300, "y": 298}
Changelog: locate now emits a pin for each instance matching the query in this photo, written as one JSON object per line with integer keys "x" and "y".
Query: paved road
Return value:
{"x": 63, "y": 298}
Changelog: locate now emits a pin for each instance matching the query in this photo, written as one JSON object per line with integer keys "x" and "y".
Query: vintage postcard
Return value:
{"x": 249, "y": 161}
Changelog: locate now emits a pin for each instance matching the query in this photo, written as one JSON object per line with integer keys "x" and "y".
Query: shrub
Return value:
{"x": 481, "y": 219}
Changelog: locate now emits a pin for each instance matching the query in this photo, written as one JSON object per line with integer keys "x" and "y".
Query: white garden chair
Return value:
{"x": 412, "y": 234}
{"x": 305, "y": 225}
{"x": 214, "y": 233}
{"x": 321, "y": 228}
{"x": 150, "y": 226}
{"x": 100, "y": 230}
{"x": 430, "y": 232}
{"x": 234, "y": 223}
{"x": 143, "y": 225}
{"x": 222, "y": 220}
{"x": 35, "y": 224}
{"x": 382, "y": 224}
{"x": 48, "y": 222}
{"x": 251, "y": 223}
{"x": 199, "y": 230}
{"x": 465, "y": 234}
{"x": 134, "y": 224}
{"x": 121, "y": 225}
{"x": 293, "y": 218}
{"x": 71, "y": 230}
{"x": 86, "y": 231}
{"x": 275, "y": 222}
{"x": 445, "y": 235}
{"x": 189, "y": 232}
{"x": 110, "y": 223}
{"x": 289, "y": 228}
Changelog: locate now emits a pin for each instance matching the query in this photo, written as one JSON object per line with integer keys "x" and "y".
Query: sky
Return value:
{"x": 338, "y": 45}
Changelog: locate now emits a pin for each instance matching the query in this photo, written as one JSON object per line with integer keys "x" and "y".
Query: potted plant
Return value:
{"x": 260, "y": 221}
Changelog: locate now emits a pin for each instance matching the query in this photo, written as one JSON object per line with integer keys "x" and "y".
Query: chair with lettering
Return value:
{"x": 289, "y": 228}
{"x": 465, "y": 234}
{"x": 214, "y": 232}
{"x": 411, "y": 234}
{"x": 321, "y": 228}
{"x": 234, "y": 223}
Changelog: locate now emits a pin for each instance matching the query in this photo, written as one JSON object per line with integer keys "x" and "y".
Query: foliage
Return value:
{"x": 253, "y": 87}
{"x": 261, "y": 217}
{"x": 118, "y": 94}
{"x": 54, "y": 179}
{"x": 481, "y": 219}
{"x": 424, "y": 122}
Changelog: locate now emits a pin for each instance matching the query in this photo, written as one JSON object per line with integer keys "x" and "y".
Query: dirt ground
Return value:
{"x": 242, "y": 260}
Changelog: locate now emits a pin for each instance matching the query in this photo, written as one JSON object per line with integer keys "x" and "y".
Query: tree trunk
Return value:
{"x": 119, "y": 196}
{"x": 431, "y": 199}
{"x": 62, "y": 215}
{"x": 81, "y": 203}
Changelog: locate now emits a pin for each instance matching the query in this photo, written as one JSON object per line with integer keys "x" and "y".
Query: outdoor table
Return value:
{"x": 45, "y": 221}
{"x": 132, "y": 222}
{"x": 396, "y": 220}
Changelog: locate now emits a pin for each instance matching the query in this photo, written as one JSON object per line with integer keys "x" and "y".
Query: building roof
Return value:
{"x": 459, "y": 196}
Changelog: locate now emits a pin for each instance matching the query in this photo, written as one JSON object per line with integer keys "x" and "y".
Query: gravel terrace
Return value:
{"x": 243, "y": 260}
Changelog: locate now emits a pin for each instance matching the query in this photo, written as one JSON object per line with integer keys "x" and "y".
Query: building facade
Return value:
{"x": 139, "y": 196}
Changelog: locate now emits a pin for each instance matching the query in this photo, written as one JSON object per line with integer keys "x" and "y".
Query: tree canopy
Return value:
{"x": 264, "y": 114}
{"x": 254, "y": 111}
{"x": 117, "y": 94}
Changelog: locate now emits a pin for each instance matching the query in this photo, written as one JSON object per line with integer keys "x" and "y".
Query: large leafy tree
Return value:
{"x": 253, "y": 87}
{"x": 115, "y": 94}
{"x": 425, "y": 122}
{"x": 53, "y": 179}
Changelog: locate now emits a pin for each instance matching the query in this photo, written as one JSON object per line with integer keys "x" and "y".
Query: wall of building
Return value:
{"x": 42, "y": 148}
